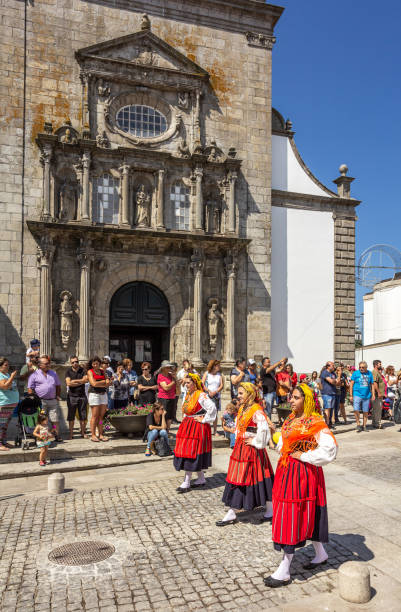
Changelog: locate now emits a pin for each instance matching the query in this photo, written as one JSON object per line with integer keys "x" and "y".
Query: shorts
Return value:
{"x": 98, "y": 399}
{"x": 52, "y": 409}
{"x": 76, "y": 403}
{"x": 361, "y": 403}
{"x": 169, "y": 406}
{"x": 328, "y": 401}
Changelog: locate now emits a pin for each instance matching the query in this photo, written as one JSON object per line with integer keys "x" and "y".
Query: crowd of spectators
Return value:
{"x": 101, "y": 387}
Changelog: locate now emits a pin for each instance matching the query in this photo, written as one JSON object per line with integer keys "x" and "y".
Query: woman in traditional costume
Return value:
{"x": 249, "y": 479}
{"x": 299, "y": 493}
{"x": 193, "y": 449}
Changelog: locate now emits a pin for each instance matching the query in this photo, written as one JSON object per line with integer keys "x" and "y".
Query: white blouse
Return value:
{"x": 262, "y": 436}
{"x": 325, "y": 452}
{"x": 210, "y": 407}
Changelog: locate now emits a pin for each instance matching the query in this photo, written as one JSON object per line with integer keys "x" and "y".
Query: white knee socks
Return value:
{"x": 283, "y": 570}
{"x": 320, "y": 553}
{"x": 269, "y": 510}
{"x": 230, "y": 516}
{"x": 187, "y": 481}
{"x": 201, "y": 478}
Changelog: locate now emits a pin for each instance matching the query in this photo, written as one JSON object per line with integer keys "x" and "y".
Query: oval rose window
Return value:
{"x": 141, "y": 121}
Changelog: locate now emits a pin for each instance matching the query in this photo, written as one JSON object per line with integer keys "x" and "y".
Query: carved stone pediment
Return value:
{"x": 142, "y": 50}
{"x": 67, "y": 134}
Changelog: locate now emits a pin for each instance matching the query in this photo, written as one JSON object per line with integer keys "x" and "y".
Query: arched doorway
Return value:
{"x": 139, "y": 324}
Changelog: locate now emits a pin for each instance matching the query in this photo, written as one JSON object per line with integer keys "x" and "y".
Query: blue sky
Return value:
{"x": 336, "y": 75}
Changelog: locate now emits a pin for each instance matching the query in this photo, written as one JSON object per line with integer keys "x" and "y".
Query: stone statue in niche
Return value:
{"x": 142, "y": 200}
{"x": 68, "y": 202}
{"x": 213, "y": 212}
{"x": 66, "y": 313}
{"x": 215, "y": 318}
{"x": 68, "y": 137}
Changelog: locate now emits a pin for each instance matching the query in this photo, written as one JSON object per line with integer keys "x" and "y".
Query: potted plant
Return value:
{"x": 130, "y": 420}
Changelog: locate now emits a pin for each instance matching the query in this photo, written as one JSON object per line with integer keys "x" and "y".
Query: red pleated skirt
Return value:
{"x": 193, "y": 438}
{"x": 299, "y": 505}
{"x": 248, "y": 465}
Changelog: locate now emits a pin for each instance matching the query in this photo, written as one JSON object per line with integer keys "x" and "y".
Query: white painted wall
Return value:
{"x": 382, "y": 314}
{"x": 368, "y": 320}
{"x": 287, "y": 172}
{"x": 302, "y": 300}
{"x": 390, "y": 354}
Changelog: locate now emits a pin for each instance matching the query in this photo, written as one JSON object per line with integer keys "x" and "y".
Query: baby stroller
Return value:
{"x": 28, "y": 412}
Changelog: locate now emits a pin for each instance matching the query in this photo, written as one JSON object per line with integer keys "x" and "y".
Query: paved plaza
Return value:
{"x": 168, "y": 553}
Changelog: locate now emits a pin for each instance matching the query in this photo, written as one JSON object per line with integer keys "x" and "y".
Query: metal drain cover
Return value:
{"x": 81, "y": 553}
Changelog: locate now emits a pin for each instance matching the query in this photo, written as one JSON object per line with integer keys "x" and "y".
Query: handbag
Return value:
{"x": 162, "y": 447}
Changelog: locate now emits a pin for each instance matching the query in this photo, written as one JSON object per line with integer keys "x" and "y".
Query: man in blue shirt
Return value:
{"x": 328, "y": 387}
{"x": 361, "y": 391}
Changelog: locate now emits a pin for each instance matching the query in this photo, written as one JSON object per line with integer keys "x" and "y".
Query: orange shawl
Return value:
{"x": 244, "y": 417}
{"x": 190, "y": 404}
{"x": 299, "y": 434}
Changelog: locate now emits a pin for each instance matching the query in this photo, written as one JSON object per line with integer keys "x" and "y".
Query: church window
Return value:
{"x": 141, "y": 121}
{"x": 106, "y": 199}
{"x": 179, "y": 197}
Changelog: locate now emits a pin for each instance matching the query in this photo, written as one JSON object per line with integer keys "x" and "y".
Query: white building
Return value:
{"x": 382, "y": 323}
{"x": 313, "y": 240}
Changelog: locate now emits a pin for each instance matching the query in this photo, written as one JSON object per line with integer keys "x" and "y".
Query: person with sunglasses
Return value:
{"x": 75, "y": 380}
{"x": 147, "y": 385}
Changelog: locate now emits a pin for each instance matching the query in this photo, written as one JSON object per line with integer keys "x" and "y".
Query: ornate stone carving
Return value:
{"x": 183, "y": 149}
{"x": 145, "y": 22}
{"x": 67, "y": 134}
{"x": 260, "y": 40}
{"x": 215, "y": 318}
{"x": 68, "y": 202}
{"x": 214, "y": 154}
{"x": 183, "y": 100}
{"x": 103, "y": 140}
{"x": 146, "y": 55}
{"x": 66, "y": 312}
{"x": 142, "y": 212}
{"x": 48, "y": 127}
{"x": 103, "y": 89}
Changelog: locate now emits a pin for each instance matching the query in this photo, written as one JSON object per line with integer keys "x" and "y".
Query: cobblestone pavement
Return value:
{"x": 169, "y": 553}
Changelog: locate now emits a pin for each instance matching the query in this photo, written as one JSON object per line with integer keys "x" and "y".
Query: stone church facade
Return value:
{"x": 137, "y": 179}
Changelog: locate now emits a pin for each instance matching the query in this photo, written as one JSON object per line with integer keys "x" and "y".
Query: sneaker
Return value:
{"x": 42, "y": 463}
{"x": 359, "y": 428}
{"x": 364, "y": 428}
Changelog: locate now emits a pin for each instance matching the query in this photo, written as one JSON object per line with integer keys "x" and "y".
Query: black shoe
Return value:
{"x": 310, "y": 566}
{"x": 197, "y": 486}
{"x": 266, "y": 519}
{"x": 180, "y": 491}
{"x": 273, "y": 583}
{"x": 224, "y": 523}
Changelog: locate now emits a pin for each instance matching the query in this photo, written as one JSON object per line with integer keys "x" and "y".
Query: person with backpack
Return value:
{"x": 156, "y": 429}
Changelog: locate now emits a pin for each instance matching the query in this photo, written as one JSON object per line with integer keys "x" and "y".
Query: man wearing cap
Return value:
{"x": 166, "y": 384}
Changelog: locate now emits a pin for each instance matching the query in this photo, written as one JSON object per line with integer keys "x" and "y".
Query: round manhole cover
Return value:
{"x": 81, "y": 553}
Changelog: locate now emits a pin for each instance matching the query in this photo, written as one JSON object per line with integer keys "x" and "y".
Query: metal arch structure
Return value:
{"x": 376, "y": 263}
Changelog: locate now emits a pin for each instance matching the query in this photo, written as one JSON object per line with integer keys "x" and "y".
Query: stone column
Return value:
{"x": 85, "y": 257}
{"x": 86, "y": 158}
{"x": 160, "y": 200}
{"x": 197, "y": 264}
{"x": 124, "y": 215}
{"x": 198, "y": 199}
{"x": 232, "y": 178}
{"x": 45, "y": 159}
{"x": 231, "y": 270}
{"x": 44, "y": 257}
